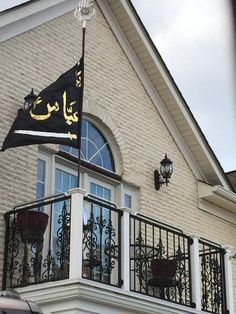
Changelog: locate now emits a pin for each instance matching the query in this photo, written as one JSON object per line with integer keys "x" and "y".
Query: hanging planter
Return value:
{"x": 163, "y": 272}
{"x": 32, "y": 225}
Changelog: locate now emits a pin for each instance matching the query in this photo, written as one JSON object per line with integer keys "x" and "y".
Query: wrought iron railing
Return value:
{"x": 37, "y": 249}
{"x": 102, "y": 242}
{"x": 37, "y": 242}
{"x": 159, "y": 261}
{"x": 213, "y": 297}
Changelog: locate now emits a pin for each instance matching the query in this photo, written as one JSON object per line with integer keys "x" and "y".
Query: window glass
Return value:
{"x": 107, "y": 157}
{"x": 40, "y": 186}
{"x": 94, "y": 147}
{"x": 107, "y": 194}
{"x": 58, "y": 181}
{"x": 100, "y": 191}
{"x": 83, "y": 150}
{"x": 64, "y": 181}
{"x": 91, "y": 151}
{"x": 128, "y": 201}
{"x": 130, "y": 198}
{"x": 73, "y": 181}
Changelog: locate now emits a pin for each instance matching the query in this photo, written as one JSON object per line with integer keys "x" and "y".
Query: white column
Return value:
{"x": 76, "y": 232}
{"x": 195, "y": 271}
{"x": 125, "y": 247}
{"x": 228, "y": 278}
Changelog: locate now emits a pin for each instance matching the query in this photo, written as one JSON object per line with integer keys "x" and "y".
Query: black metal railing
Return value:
{"x": 102, "y": 242}
{"x": 37, "y": 249}
{"x": 37, "y": 242}
{"x": 213, "y": 297}
{"x": 159, "y": 261}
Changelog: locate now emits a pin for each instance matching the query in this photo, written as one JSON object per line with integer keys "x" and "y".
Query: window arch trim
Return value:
{"x": 95, "y": 148}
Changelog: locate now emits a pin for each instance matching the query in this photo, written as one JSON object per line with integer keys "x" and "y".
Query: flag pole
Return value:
{"x": 83, "y": 13}
{"x": 81, "y": 107}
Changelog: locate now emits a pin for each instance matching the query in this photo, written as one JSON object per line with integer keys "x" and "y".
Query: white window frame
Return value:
{"x": 118, "y": 189}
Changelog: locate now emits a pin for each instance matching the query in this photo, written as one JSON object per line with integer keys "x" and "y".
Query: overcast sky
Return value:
{"x": 195, "y": 40}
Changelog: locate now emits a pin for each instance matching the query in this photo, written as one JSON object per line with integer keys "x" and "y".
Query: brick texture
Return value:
{"x": 232, "y": 178}
{"x": 115, "y": 98}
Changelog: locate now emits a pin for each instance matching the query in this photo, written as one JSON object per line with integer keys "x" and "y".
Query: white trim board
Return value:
{"x": 24, "y": 18}
{"x": 73, "y": 293}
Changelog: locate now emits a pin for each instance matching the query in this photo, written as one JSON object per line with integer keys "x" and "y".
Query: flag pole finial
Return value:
{"x": 85, "y": 11}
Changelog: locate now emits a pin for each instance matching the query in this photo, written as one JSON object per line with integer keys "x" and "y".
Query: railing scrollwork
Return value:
{"x": 101, "y": 242}
{"x": 37, "y": 242}
{"x": 159, "y": 259}
{"x": 213, "y": 296}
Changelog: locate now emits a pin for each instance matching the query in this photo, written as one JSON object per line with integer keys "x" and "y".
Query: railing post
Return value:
{"x": 125, "y": 248}
{"x": 195, "y": 272}
{"x": 76, "y": 232}
{"x": 228, "y": 278}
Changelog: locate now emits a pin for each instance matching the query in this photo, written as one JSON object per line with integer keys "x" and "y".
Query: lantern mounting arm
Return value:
{"x": 159, "y": 181}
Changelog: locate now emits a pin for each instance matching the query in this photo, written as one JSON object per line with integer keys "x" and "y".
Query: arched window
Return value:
{"x": 94, "y": 147}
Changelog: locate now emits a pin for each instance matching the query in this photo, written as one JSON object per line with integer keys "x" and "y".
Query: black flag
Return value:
{"x": 54, "y": 116}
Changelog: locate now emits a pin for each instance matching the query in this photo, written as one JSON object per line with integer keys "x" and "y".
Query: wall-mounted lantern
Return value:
{"x": 29, "y": 99}
{"x": 166, "y": 170}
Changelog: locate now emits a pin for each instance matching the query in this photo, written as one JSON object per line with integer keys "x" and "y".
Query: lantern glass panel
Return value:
{"x": 165, "y": 171}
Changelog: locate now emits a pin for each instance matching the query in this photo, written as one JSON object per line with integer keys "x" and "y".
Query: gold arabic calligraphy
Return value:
{"x": 50, "y": 109}
{"x": 67, "y": 111}
{"x": 69, "y": 116}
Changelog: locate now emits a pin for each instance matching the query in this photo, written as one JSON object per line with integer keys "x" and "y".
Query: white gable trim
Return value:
{"x": 24, "y": 18}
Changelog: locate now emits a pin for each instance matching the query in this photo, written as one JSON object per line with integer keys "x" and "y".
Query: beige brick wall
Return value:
{"x": 114, "y": 92}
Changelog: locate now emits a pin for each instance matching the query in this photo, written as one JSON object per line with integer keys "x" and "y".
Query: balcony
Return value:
{"x": 45, "y": 240}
